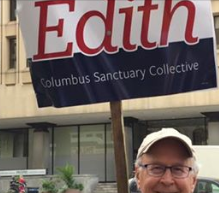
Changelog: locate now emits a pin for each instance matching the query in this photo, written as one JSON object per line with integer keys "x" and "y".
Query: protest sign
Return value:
{"x": 85, "y": 52}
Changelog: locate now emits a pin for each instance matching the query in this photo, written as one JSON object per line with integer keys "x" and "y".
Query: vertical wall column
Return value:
{"x": 39, "y": 148}
{"x": 39, "y": 154}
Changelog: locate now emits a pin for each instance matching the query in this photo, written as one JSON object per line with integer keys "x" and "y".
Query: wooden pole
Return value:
{"x": 119, "y": 146}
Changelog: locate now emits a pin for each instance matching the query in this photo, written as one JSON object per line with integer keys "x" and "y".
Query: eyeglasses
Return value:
{"x": 177, "y": 171}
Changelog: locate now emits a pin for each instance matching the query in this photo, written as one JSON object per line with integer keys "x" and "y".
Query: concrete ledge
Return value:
{"x": 27, "y": 172}
{"x": 89, "y": 182}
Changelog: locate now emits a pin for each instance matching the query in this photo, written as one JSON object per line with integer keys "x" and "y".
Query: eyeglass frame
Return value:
{"x": 145, "y": 166}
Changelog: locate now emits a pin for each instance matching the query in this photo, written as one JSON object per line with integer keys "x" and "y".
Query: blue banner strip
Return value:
{"x": 82, "y": 80}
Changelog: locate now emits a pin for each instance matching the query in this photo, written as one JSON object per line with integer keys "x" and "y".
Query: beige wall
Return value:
{"x": 215, "y": 6}
{"x": 17, "y": 98}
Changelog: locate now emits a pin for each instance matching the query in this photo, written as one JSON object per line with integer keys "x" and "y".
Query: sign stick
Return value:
{"x": 119, "y": 146}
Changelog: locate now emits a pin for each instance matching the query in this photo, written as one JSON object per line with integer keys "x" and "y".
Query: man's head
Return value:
{"x": 166, "y": 163}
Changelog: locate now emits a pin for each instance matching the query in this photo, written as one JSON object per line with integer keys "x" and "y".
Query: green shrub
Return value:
{"x": 66, "y": 174}
{"x": 49, "y": 186}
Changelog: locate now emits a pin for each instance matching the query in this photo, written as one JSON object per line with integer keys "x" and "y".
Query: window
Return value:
{"x": 89, "y": 148}
{"x": 13, "y": 149}
{"x": 12, "y": 53}
{"x": 195, "y": 128}
{"x": 28, "y": 61}
{"x": 66, "y": 147}
{"x": 216, "y": 25}
{"x": 215, "y": 188}
{"x": 92, "y": 150}
{"x": 110, "y": 157}
{"x": 206, "y": 186}
{"x": 13, "y": 10}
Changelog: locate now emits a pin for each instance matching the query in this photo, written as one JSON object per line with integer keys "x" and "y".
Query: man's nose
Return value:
{"x": 167, "y": 178}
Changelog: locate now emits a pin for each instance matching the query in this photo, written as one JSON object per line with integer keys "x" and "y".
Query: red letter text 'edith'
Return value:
{"x": 107, "y": 17}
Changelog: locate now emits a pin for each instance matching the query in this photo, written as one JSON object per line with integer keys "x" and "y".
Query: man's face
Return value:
{"x": 168, "y": 152}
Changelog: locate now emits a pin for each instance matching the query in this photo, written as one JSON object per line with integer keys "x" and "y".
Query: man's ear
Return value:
{"x": 193, "y": 184}
{"x": 137, "y": 172}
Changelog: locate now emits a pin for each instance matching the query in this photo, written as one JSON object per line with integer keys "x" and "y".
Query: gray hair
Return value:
{"x": 195, "y": 166}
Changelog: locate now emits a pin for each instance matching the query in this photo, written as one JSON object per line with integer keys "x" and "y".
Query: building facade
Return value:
{"x": 33, "y": 138}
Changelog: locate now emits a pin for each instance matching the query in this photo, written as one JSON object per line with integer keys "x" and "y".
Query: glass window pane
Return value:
{"x": 13, "y": 149}
{"x": 92, "y": 150}
{"x": 66, "y": 147}
{"x": 200, "y": 187}
{"x": 195, "y": 128}
{"x": 12, "y": 53}
{"x": 216, "y": 25}
{"x": 110, "y": 158}
{"x": 215, "y": 188}
{"x": 13, "y": 10}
